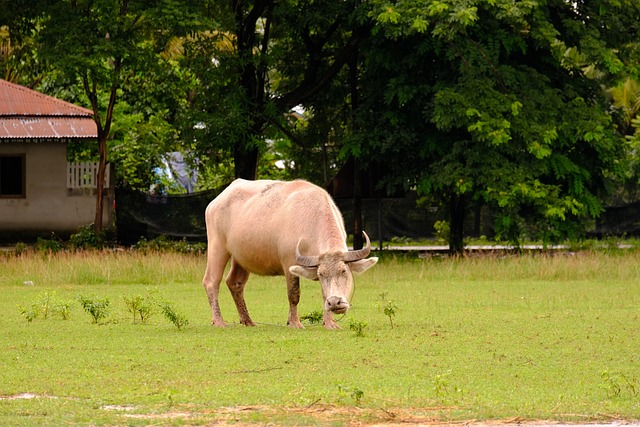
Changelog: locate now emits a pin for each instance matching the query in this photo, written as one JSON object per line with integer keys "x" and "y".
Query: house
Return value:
{"x": 41, "y": 192}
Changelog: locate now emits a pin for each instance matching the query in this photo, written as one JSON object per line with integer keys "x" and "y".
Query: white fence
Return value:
{"x": 85, "y": 175}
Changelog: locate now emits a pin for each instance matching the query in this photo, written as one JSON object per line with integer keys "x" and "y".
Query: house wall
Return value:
{"x": 49, "y": 206}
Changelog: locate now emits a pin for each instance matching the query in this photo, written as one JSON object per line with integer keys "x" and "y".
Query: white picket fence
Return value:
{"x": 85, "y": 175}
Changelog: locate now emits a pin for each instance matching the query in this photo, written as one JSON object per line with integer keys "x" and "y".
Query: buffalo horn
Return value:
{"x": 360, "y": 253}
{"x": 305, "y": 260}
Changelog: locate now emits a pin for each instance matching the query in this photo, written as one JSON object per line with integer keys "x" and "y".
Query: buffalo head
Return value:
{"x": 334, "y": 271}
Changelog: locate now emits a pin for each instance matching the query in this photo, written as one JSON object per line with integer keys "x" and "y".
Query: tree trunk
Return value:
{"x": 246, "y": 162}
{"x": 102, "y": 166}
{"x": 357, "y": 209}
{"x": 456, "y": 224}
{"x": 357, "y": 178}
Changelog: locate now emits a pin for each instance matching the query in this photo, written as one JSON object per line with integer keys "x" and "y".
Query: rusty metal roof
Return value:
{"x": 27, "y": 114}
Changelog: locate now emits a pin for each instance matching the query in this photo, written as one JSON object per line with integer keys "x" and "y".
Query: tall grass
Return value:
{"x": 534, "y": 337}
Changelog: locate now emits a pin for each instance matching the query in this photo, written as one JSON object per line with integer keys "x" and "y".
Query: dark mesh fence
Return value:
{"x": 149, "y": 216}
{"x": 182, "y": 217}
{"x": 619, "y": 221}
{"x": 384, "y": 219}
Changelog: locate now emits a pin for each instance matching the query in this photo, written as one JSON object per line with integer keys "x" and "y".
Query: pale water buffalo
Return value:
{"x": 263, "y": 227}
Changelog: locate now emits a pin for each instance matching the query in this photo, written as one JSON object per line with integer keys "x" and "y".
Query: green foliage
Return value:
{"x": 31, "y": 313}
{"x": 509, "y": 113}
{"x": 351, "y": 392}
{"x": 87, "y": 238}
{"x": 493, "y": 103}
{"x": 52, "y": 245}
{"x": 48, "y": 304}
{"x": 164, "y": 244}
{"x": 141, "y": 306}
{"x": 357, "y": 326}
{"x": 314, "y": 317}
{"x": 96, "y": 307}
{"x": 390, "y": 310}
{"x": 442, "y": 230}
{"x": 20, "y": 248}
{"x": 139, "y": 142}
{"x": 179, "y": 320}
{"x": 388, "y": 307}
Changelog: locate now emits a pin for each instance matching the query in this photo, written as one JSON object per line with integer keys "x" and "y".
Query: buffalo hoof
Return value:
{"x": 331, "y": 325}
{"x": 219, "y": 323}
{"x": 295, "y": 324}
{"x": 247, "y": 322}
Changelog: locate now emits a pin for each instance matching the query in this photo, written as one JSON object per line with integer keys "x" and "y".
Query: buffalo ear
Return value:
{"x": 310, "y": 273}
{"x": 363, "y": 264}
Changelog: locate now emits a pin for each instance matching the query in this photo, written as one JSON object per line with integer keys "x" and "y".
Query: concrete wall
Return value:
{"x": 49, "y": 206}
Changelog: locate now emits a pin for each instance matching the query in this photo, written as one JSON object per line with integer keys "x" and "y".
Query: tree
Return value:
{"x": 264, "y": 58}
{"x": 498, "y": 103}
{"x": 102, "y": 46}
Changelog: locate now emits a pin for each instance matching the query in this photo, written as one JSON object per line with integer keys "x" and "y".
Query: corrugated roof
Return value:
{"x": 27, "y": 114}
{"x": 47, "y": 127}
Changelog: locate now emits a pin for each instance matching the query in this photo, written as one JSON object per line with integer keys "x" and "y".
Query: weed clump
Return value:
{"x": 48, "y": 304}
{"x": 141, "y": 306}
{"x": 164, "y": 244}
{"x": 178, "y": 319}
{"x": 314, "y": 317}
{"x": 357, "y": 326}
{"x": 96, "y": 307}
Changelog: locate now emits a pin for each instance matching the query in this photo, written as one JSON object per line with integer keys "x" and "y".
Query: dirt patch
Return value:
{"x": 26, "y": 396}
{"x": 243, "y": 416}
{"x": 322, "y": 414}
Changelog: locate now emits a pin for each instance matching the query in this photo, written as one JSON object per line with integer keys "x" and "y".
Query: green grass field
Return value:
{"x": 493, "y": 338}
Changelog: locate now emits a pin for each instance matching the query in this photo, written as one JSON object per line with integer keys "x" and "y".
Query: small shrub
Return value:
{"x": 178, "y": 319}
{"x": 87, "y": 238}
{"x": 357, "y": 326}
{"x": 388, "y": 307}
{"x": 63, "y": 308}
{"x": 390, "y": 311}
{"x": 97, "y": 308}
{"x": 30, "y": 313}
{"x": 164, "y": 244}
{"x": 47, "y": 305}
{"x": 51, "y": 245}
{"x": 314, "y": 317}
{"x": 20, "y": 248}
{"x": 141, "y": 306}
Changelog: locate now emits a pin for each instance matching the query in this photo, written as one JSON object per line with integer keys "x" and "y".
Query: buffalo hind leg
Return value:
{"x": 293, "y": 290}
{"x": 236, "y": 280}
{"x": 216, "y": 262}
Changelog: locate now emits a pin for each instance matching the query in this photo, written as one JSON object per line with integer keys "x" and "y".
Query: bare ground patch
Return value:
{"x": 322, "y": 414}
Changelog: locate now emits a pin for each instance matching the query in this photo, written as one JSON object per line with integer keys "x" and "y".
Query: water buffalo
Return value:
{"x": 263, "y": 227}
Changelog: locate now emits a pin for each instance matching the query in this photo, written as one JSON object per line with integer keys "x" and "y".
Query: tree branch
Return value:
{"x": 314, "y": 82}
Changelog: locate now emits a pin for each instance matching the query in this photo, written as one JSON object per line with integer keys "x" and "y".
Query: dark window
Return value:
{"x": 12, "y": 175}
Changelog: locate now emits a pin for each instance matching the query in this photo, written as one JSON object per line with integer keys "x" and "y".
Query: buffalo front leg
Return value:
{"x": 328, "y": 322}
{"x": 293, "y": 290}
{"x": 327, "y": 317}
{"x": 211, "y": 282}
{"x": 236, "y": 280}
